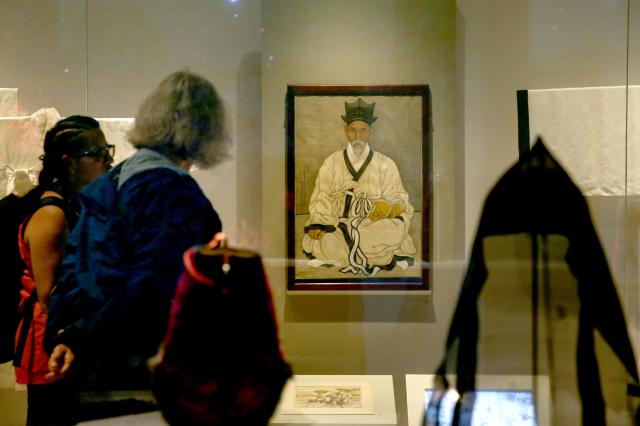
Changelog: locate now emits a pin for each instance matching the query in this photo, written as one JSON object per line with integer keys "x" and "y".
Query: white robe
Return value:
{"x": 380, "y": 242}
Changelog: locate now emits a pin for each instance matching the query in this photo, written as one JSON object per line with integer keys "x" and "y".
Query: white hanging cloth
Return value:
{"x": 21, "y": 144}
{"x": 8, "y": 102}
{"x": 593, "y": 132}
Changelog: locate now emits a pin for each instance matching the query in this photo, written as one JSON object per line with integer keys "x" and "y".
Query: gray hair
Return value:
{"x": 183, "y": 118}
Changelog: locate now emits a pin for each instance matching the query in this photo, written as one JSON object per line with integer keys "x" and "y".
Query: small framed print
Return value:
{"x": 328, "y": 398}
{"x": 358, "y": 187}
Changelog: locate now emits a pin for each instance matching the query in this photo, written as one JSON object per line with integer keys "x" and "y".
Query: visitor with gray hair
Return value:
{"x": 109, "y": 312}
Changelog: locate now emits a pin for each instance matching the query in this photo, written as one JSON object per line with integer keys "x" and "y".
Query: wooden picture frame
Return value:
{"x": 366, "y": 225}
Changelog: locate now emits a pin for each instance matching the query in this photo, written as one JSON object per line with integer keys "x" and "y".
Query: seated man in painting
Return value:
{"x": 359, "y": 212}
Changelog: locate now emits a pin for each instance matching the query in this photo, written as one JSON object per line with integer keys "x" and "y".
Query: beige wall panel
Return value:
{"x": 135, "y": 44}
{"x": 44, "y": 55}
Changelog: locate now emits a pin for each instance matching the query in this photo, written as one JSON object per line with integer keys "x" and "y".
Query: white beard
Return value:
{"x": 358, "y": 148}
{"x": 357, "y": 153}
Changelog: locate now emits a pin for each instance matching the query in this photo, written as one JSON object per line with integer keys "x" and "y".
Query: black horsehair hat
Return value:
{"x": 359, "y": 110}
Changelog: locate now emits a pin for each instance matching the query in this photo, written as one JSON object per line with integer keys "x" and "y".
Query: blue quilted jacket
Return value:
{"x": 121, "y": 266}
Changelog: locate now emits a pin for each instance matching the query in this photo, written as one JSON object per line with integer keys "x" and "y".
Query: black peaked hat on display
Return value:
{"x": 359, "y": 110}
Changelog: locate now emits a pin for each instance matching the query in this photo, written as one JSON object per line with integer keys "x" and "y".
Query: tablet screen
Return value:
{"x": 491, "y": 407}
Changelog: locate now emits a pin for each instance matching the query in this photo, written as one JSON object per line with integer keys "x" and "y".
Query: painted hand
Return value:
{"x": 316, "y": 234}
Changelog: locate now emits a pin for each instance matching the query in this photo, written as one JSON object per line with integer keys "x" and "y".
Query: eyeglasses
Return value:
{"x": 100, "y": 153}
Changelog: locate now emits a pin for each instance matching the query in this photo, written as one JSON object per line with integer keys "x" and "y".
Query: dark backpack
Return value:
{"x": 13, "y": 211}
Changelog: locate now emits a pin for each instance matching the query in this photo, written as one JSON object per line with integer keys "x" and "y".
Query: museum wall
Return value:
{"x": 363, "y": 43}
{"x": 103, "y": 59}
{"x": 542, "y": 45}
{"x": 634, "y": 44}
{"x": 45, "y": 52}
{"x": 633, "y": 201}
{"x": 133, "y": 45}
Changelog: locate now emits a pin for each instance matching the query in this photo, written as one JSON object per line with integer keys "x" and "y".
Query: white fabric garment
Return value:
{"x": 8, "y": 102}
{"x": 21, "y": 142}
{"x": 115, "y": 131}
{"x": 379, "y": 242}
{"x": 585, "y": 129}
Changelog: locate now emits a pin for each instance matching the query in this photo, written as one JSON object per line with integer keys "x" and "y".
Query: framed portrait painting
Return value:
{"x": 358, "y": 187}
